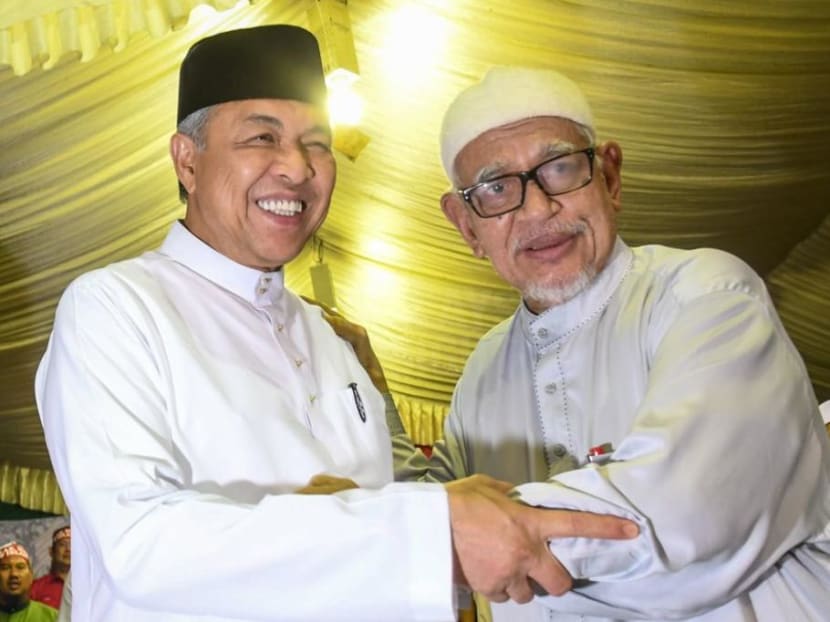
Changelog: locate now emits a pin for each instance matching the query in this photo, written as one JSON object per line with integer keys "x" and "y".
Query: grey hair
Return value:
{"x": 194, "y": 126}
{"x": 587, "y": 132}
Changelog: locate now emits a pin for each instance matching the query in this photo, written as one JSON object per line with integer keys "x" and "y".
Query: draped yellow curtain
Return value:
{"x": 36, "y": 489}
{"x": 44, "y": 32}
{"x": 722, "y": 110}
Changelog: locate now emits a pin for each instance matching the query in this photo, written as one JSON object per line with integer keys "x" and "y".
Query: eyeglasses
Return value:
{"x": 559, "y": 175}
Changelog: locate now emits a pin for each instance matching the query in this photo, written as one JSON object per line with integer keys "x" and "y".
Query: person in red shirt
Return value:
{"x": 48, "y": 588}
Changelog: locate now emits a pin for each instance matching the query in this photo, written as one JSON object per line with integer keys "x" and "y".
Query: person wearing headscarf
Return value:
{"x": 16, "y": 604}
{"x": 48, "y": 588}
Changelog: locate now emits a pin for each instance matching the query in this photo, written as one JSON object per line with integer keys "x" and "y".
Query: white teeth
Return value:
{"x": 281, "y": 208}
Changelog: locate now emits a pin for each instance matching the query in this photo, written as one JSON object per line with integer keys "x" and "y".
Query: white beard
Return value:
{"x": 549, "y": 296}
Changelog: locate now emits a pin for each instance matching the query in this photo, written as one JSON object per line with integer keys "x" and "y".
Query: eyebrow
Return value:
{"x": 318, "y": 129}
{"x": 277, "y": 124}
{"x": 498, "y": 169}
{"x": 265, "y": 119}
{"x": 491, "y": 171}
{"x": 557, "y": 148}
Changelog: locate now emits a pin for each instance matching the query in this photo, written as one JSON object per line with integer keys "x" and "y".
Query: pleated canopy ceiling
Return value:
{"x": 722, "y": 110}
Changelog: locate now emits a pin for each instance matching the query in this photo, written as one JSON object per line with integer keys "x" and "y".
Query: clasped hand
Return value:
{"x": 501, "y": 546}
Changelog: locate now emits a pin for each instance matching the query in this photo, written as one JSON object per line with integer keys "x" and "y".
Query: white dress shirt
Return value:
{"x": 679, "y": 360}
{"x": 182, "y": 396}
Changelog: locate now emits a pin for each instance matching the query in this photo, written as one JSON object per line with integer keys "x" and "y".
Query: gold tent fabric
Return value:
{"x": 42, "y": 33}
{"x": 722, "y": 109}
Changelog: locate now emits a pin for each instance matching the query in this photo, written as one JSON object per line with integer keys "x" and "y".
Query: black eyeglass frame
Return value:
{"x": 525, "y": 176}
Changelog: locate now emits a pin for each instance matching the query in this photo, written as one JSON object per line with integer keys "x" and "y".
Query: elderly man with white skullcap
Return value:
{"x": 650, "y": 382}
{"x": 16, "y": 577}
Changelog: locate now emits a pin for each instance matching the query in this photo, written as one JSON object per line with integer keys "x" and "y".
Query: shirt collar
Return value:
{"x": 544, "y": 329}
{"x": 257, "y": 287}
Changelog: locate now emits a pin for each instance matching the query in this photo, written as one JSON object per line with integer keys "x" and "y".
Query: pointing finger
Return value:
{"x": 574, "y": 524}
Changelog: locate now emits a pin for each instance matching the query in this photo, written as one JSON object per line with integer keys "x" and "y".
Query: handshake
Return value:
{"x": 500, "y": 546}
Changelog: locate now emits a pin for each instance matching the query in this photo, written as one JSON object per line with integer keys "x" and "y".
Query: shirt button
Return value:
{"x": 543, "y": 332}
{"x": 311, "y": 398}
{"x": 280, "y": 327}
{"x": 298, "y": 362}
{"x": 559, "y": 450}
{"x": 550, "y": 389}
{"x": 261, "y": 290}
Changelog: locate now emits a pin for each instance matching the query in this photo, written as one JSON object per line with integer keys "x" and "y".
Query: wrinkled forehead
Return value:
{"x": 284, "y": 115}
{"x": 518, "y": 145}
{"x": 505, "y": 95}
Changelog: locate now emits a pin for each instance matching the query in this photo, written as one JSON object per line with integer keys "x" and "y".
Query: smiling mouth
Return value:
{"x": 281, "y": 207}
{"x": 547, "y": 242}
{"x": 545, "y": 245}
{"x": 550, "y": 238}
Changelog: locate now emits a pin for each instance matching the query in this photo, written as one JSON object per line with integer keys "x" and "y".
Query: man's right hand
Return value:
{"x": 500, "y": 545}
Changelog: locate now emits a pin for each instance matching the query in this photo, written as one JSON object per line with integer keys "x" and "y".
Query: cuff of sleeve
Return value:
{"x": 429, "y": 553}
{"x": 592, "y": 558}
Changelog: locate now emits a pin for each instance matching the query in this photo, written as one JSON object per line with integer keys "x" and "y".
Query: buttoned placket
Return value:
{"x": 552, "y": 400}
{"x": 289, "y": 338}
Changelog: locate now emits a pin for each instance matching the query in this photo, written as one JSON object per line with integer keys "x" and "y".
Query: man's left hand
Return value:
{"x": 357, "y": 336}
{"x": 323, "y": 484}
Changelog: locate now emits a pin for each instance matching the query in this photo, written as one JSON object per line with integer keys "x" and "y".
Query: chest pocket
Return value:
{"x": 351, "y": 424}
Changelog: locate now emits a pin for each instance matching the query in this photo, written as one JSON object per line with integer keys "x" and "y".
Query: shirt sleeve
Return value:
{"x": 719, "y": 470}
{"x": 445, "y": 464}
{"x": 448, "y": 460}
{"x": 164, "y": 544}
{"x": 409, "y": 462}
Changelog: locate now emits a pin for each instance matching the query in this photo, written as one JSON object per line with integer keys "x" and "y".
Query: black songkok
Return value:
{"x": 265, "y": 62}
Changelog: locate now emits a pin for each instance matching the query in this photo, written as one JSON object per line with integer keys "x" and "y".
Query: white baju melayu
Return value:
{"x": 679, "y": 360}
{"x": 182, "y": 395}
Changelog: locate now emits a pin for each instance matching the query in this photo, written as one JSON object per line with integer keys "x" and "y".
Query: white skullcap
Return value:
{"x": 506, "y": 95}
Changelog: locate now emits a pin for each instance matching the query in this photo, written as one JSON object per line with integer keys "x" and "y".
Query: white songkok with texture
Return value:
{"x": 506, "y": 95}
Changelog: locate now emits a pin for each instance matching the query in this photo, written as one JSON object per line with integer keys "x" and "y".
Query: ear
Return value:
{"x": 611, "y": 154}
{"x": 183, "y": 153}
{"x": 458, "y": 213}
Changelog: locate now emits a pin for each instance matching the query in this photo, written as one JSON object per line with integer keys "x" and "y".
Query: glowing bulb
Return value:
{"x": 408, "y": 62}
{"x": 207, "y": 16}
{"x": 201, "y": 13}
{"x": 345, "y": 106}
{"x": 378, "y": 290}
{"x": 381, "y": 250}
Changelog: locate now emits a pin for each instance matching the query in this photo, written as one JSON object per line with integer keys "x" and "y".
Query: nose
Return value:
{"x": 537, "y": 203}
{"x": 292, "y": 163}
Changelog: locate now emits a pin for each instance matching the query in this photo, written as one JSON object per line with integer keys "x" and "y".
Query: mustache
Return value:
{"x": 548, "y": 229}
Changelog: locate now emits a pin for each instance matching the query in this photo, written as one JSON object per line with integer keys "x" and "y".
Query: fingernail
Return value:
{"x": 631, "y": 530}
